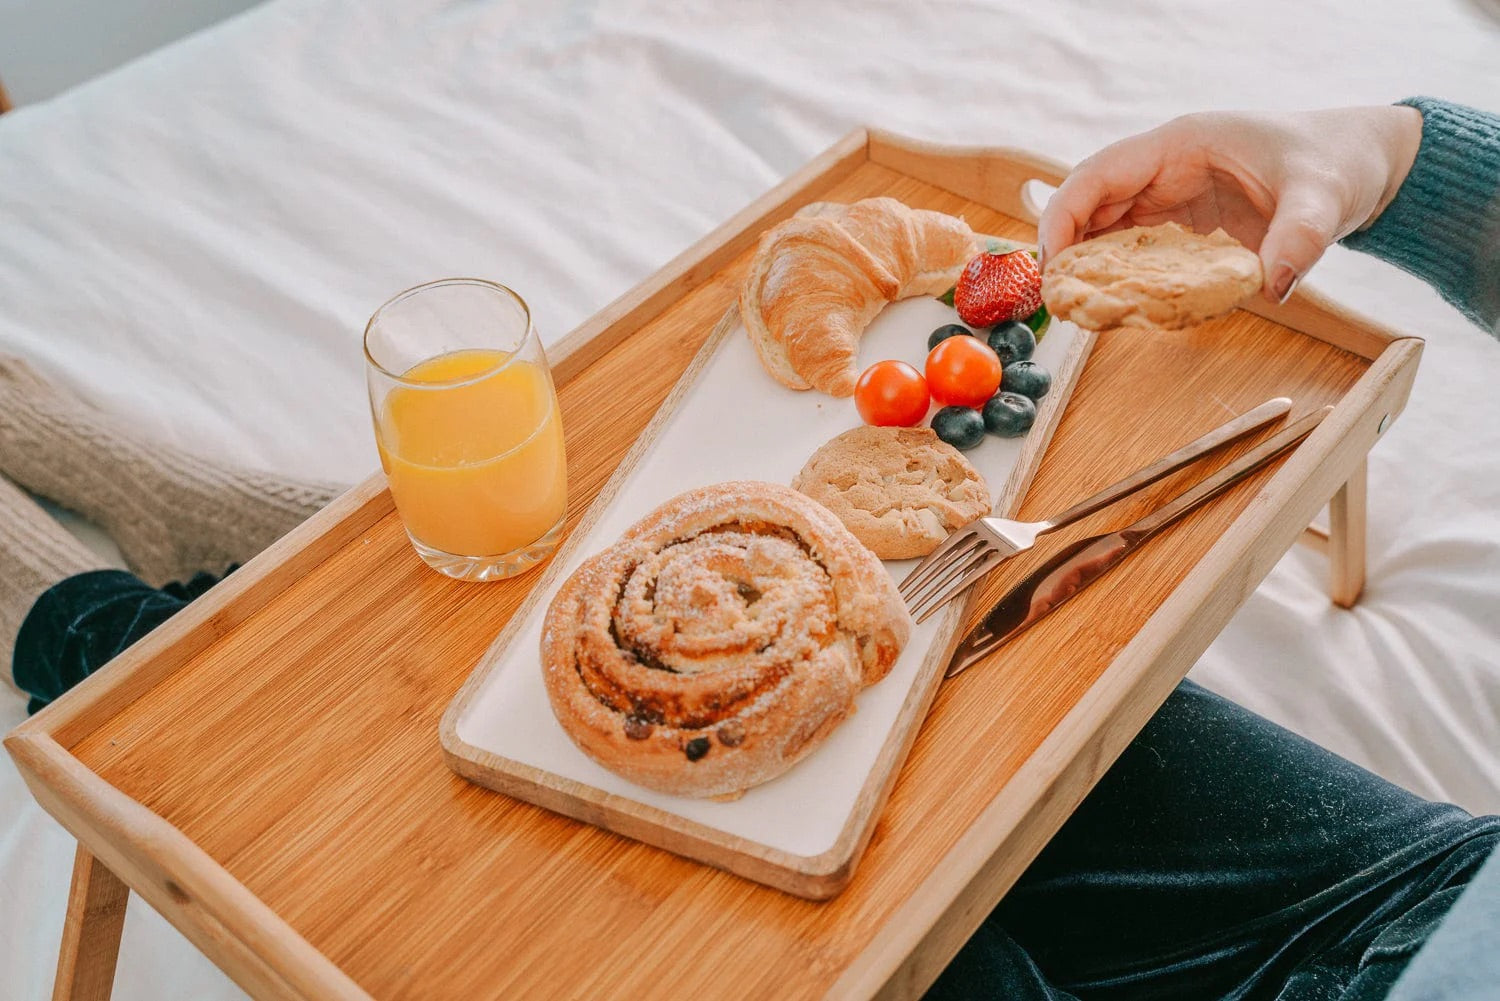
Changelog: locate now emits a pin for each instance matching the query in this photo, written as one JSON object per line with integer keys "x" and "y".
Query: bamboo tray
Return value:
{"x": 726, "y": 419}
{"x": 263, "y": 769}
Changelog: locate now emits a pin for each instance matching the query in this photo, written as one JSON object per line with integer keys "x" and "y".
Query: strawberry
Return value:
{"x": 994, "y": 288}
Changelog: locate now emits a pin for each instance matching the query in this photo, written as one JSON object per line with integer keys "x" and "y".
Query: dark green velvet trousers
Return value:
{"x": 1223, "y": 856}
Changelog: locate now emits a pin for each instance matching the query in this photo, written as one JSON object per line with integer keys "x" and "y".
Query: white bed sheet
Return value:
{"x": 195, "y": 240}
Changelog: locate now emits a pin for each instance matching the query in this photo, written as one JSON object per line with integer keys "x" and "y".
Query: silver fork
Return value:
{"x": 975, "y": 549}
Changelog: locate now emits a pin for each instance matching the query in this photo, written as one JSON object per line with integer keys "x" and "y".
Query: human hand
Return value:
{"x": 1284, "y": 185}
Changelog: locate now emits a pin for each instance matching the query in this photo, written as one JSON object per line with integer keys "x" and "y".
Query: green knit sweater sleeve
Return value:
{"x": 1444, "y": 223}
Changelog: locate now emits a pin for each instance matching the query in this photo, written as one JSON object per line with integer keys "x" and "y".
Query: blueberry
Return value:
{"x": 1009, "y": 415}
{"x": 944, "y": 332}
{"x": 1012, "y": 341}
{"x": 961, "y": 427}
{"x": 1027, "y": 378}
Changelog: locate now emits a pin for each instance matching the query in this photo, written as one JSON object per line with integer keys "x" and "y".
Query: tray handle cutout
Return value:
{"x": 1035, "y": 194}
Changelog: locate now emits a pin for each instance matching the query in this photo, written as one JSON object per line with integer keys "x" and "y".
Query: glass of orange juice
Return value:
{"x": 468, "y": 428}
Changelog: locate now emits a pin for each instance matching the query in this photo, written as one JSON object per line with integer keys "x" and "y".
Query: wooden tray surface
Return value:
{"x": 297, "y": 747}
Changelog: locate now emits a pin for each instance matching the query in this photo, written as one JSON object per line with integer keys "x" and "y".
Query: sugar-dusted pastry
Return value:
{"x": 721, "y": 639}
{"x": 820, "y": 277}
{"x": 901, "y": 491}
{"x": 1150, "y": 276}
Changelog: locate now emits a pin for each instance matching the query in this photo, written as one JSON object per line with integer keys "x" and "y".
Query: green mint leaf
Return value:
{"x": 1039, "y": 322}
{"x": 995, "y": 245}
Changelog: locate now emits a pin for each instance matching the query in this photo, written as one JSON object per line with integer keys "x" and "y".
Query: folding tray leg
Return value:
{"x": 91, "y": 932}
{"x": 1346, "y": 540}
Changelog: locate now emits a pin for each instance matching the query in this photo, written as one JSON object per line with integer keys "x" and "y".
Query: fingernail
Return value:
{"x": 1041, "y": 255}
{"x": 1284, "y": 282}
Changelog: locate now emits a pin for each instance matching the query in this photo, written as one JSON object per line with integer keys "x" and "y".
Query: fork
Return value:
{"x": 1077, "y": 566}
{"x": 975, "y": 549}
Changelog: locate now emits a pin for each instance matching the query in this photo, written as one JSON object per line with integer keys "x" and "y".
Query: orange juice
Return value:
{"x": 474, "y": 454}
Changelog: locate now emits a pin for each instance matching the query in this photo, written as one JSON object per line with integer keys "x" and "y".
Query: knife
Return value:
{"x": 1085, "y": 561}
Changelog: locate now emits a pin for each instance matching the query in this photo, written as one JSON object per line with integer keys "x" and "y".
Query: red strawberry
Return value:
{"x": 994, "y": 288}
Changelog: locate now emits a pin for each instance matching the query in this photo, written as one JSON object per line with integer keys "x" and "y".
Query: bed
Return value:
{"x": 194, "y": 242}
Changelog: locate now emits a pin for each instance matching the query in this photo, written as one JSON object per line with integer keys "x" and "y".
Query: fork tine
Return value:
{"x": 936, "y": 559}
{"x": 958, "y": 562}
{"x": 981, "y": 567}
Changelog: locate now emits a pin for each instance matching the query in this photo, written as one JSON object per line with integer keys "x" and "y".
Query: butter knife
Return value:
{"x": 1085, "y": 561}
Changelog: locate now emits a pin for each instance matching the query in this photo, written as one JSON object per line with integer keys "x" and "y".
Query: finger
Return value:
{"x": 1113, "y": 227}
{"x": 1139, "y": 216}
{"x": 1107, "y": 215}
{"x": 1117, "y": 173}
{"x": 1306, "y": 221}
{"x": 1182, "y": 215}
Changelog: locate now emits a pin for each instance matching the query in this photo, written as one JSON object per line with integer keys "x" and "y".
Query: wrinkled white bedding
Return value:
{"x": 195, "y": 240}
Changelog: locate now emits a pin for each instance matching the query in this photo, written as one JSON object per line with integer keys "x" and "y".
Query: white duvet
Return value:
{"x": 194, "y": 241}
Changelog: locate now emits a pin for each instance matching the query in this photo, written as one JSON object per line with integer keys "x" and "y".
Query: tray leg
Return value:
{"x": 91, "y": 932}
{"x": 1346, "y": 540}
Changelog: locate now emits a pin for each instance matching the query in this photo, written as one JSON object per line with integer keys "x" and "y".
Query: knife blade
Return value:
{"x": 1080, "y": 564}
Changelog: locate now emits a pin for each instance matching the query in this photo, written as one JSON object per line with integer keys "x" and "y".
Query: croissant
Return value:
{"x": 820, "y": 277}
{"x": 720, "y": 640}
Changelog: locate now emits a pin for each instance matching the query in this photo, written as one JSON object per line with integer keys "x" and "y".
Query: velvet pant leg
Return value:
{"x": 80, "y": 623}
{"x": 1223, "y": 856}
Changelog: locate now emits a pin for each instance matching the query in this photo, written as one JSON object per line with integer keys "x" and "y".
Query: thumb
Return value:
{"x": 1306, "y": 222}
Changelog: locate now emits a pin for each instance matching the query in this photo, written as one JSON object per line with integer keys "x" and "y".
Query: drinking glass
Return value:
{"x": 468, "y": 428}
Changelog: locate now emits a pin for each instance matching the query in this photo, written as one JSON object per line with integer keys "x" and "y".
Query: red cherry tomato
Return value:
{"x": 963, "y": 372}
{"x": 891, "y": 394}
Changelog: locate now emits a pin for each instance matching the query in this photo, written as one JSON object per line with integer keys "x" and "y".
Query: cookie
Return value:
{"x": 900, "y": 491}
{"x": 1150, "y": 276}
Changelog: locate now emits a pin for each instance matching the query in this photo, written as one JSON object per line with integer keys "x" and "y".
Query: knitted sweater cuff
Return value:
{"x": 1444, "y": 223}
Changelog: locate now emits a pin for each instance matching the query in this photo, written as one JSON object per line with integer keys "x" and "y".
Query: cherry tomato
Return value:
{"x": 891, "y": 394}
{"x": 963, "y": 372}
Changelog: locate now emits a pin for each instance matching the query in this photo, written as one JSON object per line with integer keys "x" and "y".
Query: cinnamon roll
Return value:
{"x": 720, "y": 640}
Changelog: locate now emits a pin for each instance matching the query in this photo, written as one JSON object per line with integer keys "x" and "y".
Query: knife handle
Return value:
{"x": 1168, "y": 464}
{"x": 1226, "y": 477}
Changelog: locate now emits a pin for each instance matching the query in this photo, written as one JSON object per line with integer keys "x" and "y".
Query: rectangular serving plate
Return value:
{"x": 727, "y": 419}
